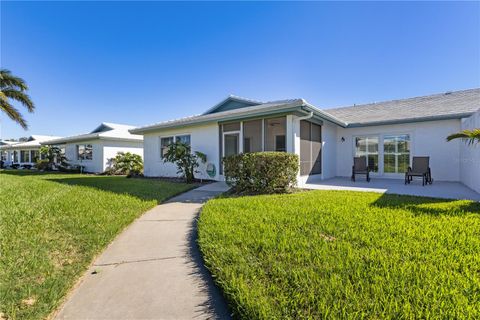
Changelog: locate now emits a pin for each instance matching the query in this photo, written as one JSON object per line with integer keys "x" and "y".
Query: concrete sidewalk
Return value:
{"x": 153, "y": 270}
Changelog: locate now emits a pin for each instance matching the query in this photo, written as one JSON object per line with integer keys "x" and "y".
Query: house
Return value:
{"x": 24, "y": 153}
{"x": 93, "y": 150}
{"x": 388, "y": 133}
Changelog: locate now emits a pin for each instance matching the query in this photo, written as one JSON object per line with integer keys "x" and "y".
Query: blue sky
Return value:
{"x": 139, "y": 63}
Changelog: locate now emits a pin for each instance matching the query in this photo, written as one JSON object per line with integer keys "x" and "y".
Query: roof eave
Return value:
{"x": 286, "y": 108}
{"x": 324, "y": 115}
{"x": 72, "y": 139}
{"x": 411, "y": 120}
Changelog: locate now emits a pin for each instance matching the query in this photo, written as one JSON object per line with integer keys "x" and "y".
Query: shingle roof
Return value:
{"x": 456, "y": 104}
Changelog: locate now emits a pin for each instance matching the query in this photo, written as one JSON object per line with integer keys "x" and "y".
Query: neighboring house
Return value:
{"x": 94, "y": 150}
{"x": 23, "y": 153}
{"x": 388, "y": 133}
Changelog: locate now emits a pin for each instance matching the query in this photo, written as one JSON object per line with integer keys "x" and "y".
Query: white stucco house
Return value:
{"x": 24, "y": 153}
{"x": 93, "y": 150}
{"x": 388, "y": 133}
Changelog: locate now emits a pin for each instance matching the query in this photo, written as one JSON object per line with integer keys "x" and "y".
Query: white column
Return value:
{"x": 240, "y": 138}
{"x": 290, "y": 134}
{"x": 295, "y": 136}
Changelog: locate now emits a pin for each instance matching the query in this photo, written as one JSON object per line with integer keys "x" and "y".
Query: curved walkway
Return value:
{"x": 153, "y": 270}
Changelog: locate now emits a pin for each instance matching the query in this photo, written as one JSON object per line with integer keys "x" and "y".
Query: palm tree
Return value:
{"x": 14, "y": 88}
{"x": 469, "y": 136}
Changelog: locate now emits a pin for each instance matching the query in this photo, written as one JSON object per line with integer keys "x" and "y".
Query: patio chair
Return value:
{"x": 420, "y": 168}
{"x": 360, "y": 167}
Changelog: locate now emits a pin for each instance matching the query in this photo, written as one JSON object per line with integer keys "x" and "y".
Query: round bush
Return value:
{"x": 261, "y": 172}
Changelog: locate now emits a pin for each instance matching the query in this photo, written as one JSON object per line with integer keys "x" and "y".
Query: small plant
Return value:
{"x": 261, "y": 172}
{"x": 126, "y": 163}
{"x": 187, "y": 162}
{"x": 53, "y": 155}
{"x": 42, "y": 165}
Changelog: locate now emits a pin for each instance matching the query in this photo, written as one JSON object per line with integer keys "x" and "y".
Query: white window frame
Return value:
{"x": 82, "y": 159}
{"x": 381, "y": 151}
{"x": 174, "y": 137}
{"x": 396, "y": 133}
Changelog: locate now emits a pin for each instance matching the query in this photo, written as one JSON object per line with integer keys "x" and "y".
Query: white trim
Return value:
{"x": 174, "y": 137}
{"x": 240, "y": 138}
{"x": 381, "y": 152}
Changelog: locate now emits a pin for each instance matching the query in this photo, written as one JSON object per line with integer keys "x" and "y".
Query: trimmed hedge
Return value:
{"x": 261, "y": 172}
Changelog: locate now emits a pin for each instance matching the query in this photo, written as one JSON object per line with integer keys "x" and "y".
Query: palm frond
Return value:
{"x": 19, "y": 96}
{"x": 13, "y": 113}
{"x": 469, "y": 136}
{"x": 9, "y": 80}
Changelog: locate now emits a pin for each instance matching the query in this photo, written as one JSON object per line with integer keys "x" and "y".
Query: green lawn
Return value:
{"x": 53, "y": 225}
{"x": 347, "y": 255}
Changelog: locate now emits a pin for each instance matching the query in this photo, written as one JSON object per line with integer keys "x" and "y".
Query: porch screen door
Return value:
{"x": 231, "y": 144}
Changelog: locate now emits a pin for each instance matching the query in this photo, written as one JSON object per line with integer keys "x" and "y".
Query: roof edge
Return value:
{"x": 231, "y": 97}
{"x": 411, "y": 120}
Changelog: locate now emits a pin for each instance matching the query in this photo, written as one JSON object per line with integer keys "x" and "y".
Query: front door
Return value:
{"x": 231, "y": 144}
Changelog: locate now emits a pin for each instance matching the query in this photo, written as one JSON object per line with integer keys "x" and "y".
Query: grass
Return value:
{"x": 344, "y": 255}
{"x": 53, "y": 225}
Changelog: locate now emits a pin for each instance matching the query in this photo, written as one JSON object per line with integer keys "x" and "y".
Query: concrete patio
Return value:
{"x": 439, "y": 189}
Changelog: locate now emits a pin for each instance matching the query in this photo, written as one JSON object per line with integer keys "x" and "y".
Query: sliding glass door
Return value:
{"x": 231, "y": 144}
{"x": 367, "y": 146}
{"x": 385, "y": 153}
{"x": 396, "y": 153}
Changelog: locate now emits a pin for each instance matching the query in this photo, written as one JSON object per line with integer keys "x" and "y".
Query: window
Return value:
{"x": 3, "y": 155}
{"x": 396, "y": 153}
{"x": 275, "y": 131}
{"x": 84, "y": 152}
{"x": 15, "y": 156}
{"x": 164, "y": 144}
{"x": 24, "y": 156}
{"x": 368, "y": 146}
{"x": 184, "y": 138}
{"x": 252, "y": 136}
{"x": 34, "y": 155}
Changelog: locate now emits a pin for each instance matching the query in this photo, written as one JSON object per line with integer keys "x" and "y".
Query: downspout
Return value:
{"x": 308, "y": 116}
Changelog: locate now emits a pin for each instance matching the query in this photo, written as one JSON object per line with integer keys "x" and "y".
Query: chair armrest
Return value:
{"x": 409, "y": 169}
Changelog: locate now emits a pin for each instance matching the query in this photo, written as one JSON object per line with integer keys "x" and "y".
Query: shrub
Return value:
{"x": 126, "y": 163}
{"x": 187, "y": 162}
{"x": 15, "y": 166}
{"x": 70, "y": 168}
{"x": 261, "y": 172}
{"x": 53, "y": 155}
{"x": 42, "y": 164}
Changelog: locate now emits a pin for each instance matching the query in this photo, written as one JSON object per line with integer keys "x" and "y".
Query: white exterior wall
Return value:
{"x": 204, "y": 139}
{"x": 112, "y": 147}
{"x": 95, "y": 165}
{"x": 427, "y": 139}
{"x": 329, "y": 150}
{"x": 103, "y": 150}
{"x": 470, "y": 155}
{"x": 9, "y": 155}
